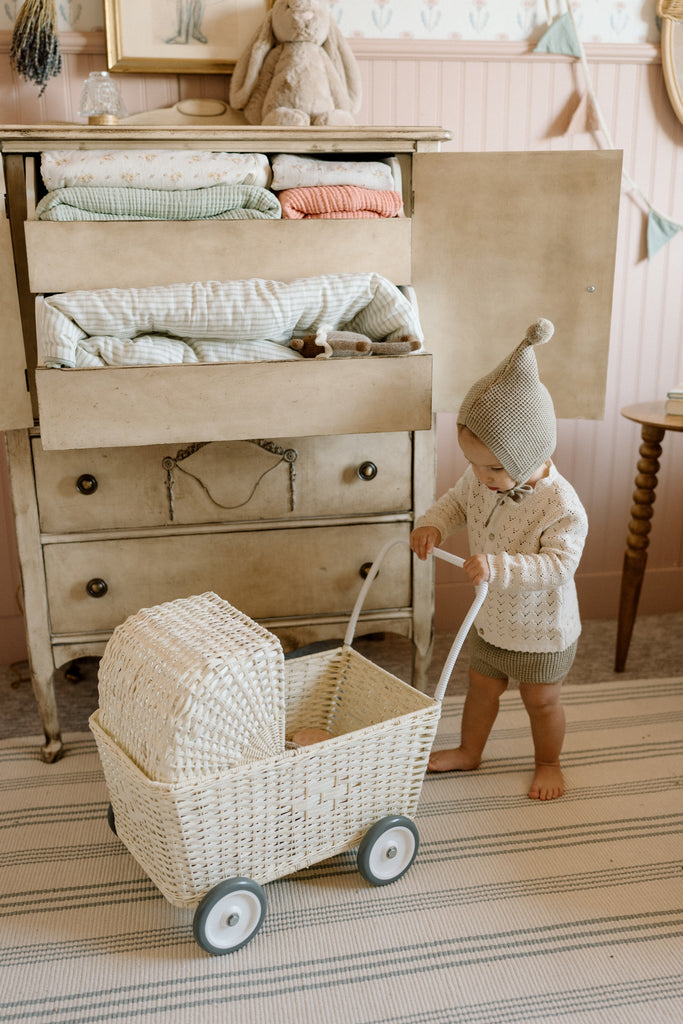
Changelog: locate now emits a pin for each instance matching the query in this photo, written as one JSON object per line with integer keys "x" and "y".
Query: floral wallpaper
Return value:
{"x": 605, "y": 21}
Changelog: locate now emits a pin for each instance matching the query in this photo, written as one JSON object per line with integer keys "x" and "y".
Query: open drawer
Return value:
{"x": 159, "y": 404}
{"x": 141, "y": 405}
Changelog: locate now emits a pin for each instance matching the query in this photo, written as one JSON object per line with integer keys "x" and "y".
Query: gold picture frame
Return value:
{"x": 180, "y": 36}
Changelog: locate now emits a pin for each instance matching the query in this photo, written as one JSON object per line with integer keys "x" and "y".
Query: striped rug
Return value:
{"x": 514, "y": 911}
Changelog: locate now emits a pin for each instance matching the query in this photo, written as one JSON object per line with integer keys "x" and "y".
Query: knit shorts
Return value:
{"x": 525, "y": 666}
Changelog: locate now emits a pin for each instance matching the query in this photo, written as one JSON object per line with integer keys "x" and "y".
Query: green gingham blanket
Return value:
{"x": 213, "y": 321}
{"x": 216, "y": 202}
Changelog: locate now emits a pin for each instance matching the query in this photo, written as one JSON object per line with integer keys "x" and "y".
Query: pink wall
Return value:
{"x": 495, "y": 96}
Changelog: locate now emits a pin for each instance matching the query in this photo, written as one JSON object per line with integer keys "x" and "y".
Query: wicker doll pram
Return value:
{"x": 211, "y": 830}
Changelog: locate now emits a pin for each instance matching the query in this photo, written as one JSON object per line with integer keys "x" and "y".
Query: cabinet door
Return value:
{"x": 15, "y": 401}
{"x": 500, "y": 239}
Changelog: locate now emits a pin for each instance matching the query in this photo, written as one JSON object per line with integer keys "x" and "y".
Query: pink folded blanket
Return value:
{"x": 336, "y": 202}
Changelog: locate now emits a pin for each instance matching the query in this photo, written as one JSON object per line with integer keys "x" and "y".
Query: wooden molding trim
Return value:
{"x": 473, "y": 49}
{"x": 419, "y": 49}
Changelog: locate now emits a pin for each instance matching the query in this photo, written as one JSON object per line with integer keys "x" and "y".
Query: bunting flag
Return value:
{"x": 660, "y": 230}
{"x": 562, "y": 37}
{"x": 584, "y": 118}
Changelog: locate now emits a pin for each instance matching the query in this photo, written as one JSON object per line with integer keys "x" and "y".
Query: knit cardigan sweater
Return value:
{"x": 533, "y": 547}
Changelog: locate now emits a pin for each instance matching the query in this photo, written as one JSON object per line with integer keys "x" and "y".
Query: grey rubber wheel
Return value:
{"x": 229, "y": 916}
{"x": 388, "y": 849}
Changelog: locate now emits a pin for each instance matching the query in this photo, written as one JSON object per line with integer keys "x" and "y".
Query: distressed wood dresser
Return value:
{"x": 276, "y": 483}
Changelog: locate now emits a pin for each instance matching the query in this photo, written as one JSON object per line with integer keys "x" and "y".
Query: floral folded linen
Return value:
{"x": 152, "y": 168}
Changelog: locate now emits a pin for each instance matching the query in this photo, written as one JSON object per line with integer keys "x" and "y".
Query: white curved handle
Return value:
{"x": 480, "y": 592}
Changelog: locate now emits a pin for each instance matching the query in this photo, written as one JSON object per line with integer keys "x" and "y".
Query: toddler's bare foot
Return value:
{"x": 456, "y": 760}
{"x": 548, "y": 783}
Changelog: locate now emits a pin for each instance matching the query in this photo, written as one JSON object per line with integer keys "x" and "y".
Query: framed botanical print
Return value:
{"x": 186, "y": 36}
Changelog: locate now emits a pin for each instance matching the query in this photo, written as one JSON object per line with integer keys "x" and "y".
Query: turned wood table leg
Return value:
{"x": 638, "y": 539}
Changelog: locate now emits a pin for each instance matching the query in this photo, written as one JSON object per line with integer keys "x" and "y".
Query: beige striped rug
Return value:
{"x": 514, "y": 911}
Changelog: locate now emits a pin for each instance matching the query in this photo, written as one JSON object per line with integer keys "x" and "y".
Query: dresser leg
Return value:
{"x": 635, "y": 558}
{"x": 27, "y": 527}
{"x": 44, "y": 692}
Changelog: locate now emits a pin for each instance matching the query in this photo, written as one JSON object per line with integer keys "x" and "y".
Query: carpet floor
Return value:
{"x": 514, "y": 911}
{"x": 656, "y": 653}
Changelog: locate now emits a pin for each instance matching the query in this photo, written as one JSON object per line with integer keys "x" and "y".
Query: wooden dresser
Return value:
{"x": 276, "y": 483}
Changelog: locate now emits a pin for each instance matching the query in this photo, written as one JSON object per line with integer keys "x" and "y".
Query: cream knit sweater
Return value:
{"x": 533, "y": 548}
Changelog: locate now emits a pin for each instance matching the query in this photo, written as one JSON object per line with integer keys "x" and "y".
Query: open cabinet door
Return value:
{"x": 500, "y": 239}
{"x": 15, "y": 401}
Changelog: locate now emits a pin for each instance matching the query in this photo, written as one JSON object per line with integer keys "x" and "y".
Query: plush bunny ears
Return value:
{"x": 245, "y": 77}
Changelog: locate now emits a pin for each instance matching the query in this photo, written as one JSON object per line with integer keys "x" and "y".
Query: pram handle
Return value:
{"x": 480, "y": 592}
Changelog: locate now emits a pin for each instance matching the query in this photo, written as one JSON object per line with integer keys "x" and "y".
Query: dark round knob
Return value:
{"x": 97, "y": 587}
{"x": 364, "y": 570}
{"x": 86, "y": 483}
{"x": 367, "y": 471}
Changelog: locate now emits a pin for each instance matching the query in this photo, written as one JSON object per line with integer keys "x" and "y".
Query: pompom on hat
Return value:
{"x": 511, "y": 411}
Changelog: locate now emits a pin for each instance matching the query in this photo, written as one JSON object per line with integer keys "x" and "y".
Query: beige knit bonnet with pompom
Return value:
{"x": 511, "y": 411}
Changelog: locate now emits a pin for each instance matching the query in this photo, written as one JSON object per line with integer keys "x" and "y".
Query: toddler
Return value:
{"x": 526, "y": 530}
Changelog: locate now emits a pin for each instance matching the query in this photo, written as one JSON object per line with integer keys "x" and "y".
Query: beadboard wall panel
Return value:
{"x": 496, "y": 97}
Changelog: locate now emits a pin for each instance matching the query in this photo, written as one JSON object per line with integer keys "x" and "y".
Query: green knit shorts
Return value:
{"x": 524, "y": 666}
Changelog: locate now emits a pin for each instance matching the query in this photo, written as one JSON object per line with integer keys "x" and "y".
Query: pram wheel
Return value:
{"x": 388, "y": 849}
{"x": 229, "y": 916}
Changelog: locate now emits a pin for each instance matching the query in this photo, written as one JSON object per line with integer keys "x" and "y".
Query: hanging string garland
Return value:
{"x": 35, "y": 53}
{"x": 562, "y": 37}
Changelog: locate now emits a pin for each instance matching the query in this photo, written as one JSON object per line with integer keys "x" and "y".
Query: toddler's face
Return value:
{"x": 486, "y": 467}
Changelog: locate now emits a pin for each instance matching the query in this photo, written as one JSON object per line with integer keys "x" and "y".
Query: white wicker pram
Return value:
{"x": 210, "y": 834}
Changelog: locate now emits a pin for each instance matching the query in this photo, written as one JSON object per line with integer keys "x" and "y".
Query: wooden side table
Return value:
{"x": 654, "y": 424}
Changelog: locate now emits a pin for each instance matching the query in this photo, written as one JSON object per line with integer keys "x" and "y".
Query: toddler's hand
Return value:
{"x": 477, "y": 569}
{"x": 424, "y": 540}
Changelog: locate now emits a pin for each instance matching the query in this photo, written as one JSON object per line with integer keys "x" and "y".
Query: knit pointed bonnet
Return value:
{"x": 511, "y": 411}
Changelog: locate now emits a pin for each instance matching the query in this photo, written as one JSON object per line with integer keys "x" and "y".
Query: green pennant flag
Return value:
{"x": 560, "y": 38}
{"x": 659, "y": 232}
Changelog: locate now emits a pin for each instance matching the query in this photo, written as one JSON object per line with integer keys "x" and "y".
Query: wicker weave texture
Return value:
{"x": 191, "y": 687}
{"x": 670, "y": 9}
{"x": 267, "y": 819}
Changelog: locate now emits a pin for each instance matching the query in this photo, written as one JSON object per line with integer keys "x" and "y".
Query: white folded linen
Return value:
{"x": 290, "y": 171}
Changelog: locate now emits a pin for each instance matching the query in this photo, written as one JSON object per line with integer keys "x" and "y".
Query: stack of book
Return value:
{"x": 674, "y": 401}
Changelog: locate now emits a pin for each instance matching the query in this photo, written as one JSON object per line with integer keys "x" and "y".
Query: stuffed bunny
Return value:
{"x": 326, "y": 343}
{"x": 297, "y": 70}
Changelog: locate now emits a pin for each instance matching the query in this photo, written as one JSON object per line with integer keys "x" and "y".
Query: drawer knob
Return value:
{"x": 86, "y": 483}
{"x": 367, "y": 471}
{"x": 364, "y": 570}
{"x": 97, "y": 587}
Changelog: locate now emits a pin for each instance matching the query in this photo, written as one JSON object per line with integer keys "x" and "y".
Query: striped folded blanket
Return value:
{"x": 217, "y": 202}
{"x": 213, "y": 321}
{"x": 338, "y": 202}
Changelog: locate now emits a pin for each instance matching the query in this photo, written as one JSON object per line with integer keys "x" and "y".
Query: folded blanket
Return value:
{"x": 219, "y": 202}
{"x": 338, "y": 202}
{"x": 152, "y": 168}
{"x": 213, "y": 321}
{"x": 290, "y": 171}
